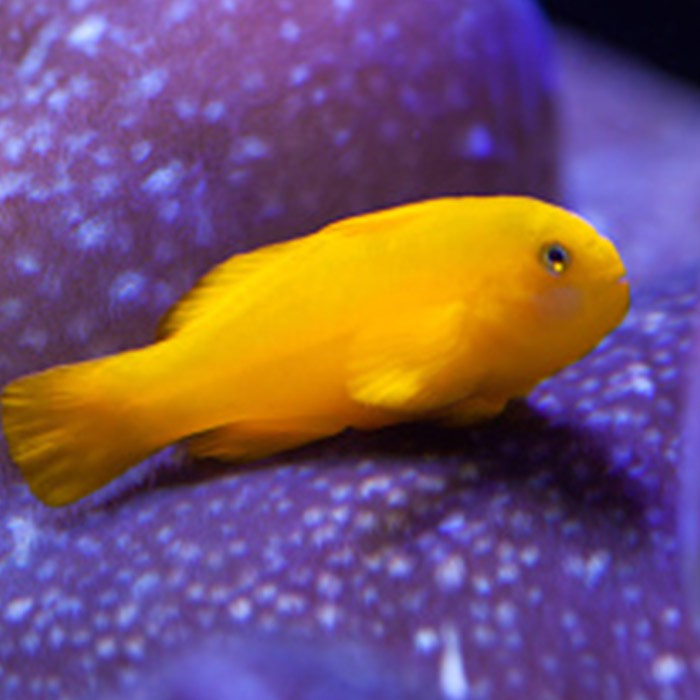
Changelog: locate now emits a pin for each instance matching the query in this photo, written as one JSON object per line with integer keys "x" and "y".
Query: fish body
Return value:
{"x": 443, "y": 309}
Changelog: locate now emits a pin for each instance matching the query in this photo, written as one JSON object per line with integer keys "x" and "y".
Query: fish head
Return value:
{"x": 564, "y": 287}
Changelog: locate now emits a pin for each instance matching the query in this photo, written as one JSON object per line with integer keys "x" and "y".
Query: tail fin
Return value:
{"x": 73, "y": 429}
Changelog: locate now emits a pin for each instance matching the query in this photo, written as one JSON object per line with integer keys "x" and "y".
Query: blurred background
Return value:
{"x": 664, "y": 33}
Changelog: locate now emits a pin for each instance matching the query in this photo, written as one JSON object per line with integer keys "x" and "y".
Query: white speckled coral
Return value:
{"x": 533, "y": 557}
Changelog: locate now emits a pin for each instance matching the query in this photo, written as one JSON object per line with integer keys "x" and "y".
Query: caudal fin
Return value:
{"x": 70, "y": 430}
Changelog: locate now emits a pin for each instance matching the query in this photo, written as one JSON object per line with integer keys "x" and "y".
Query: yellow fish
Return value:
{"x": 443, "y": 309}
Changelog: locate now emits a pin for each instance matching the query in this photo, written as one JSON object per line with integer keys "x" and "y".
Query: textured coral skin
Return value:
{"x": 532, "y": 557}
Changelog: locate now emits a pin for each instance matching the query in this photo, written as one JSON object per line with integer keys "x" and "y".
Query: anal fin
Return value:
{"x": 250, "y": 440}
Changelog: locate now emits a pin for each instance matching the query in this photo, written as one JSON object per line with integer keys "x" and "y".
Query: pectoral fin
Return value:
{"x": 411, "y": 364}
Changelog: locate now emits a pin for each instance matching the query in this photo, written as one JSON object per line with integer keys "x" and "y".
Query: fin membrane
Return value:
{"x": 404, "y": 364}
{"x": 67, "y": 433}
{"x": 250, "y": 440}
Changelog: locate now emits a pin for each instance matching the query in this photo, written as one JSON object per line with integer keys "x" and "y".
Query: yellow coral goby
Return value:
{"x": 443, "y": 309}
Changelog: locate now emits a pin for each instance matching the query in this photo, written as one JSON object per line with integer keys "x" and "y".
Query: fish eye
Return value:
{"x": 555, "y": 257}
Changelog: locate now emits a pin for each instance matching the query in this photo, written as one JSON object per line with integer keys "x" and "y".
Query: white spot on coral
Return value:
{"x": 250, "y": 148}
{"x": 105, "y": 185}
{"x": 653, "y": 321}
{"x": 312, "y": 516}
{"x": 127, "y": 286}
{"x": 106, "y": 647}
{"x": 91, "y": 233}
{"x": 213, "y": 111}
{"x": 87, "y": 34}
{"x": 186, "y": 550}
{"x": 18, "y": 608}
{"x": 290, "y": 603}
{"x": 27, "y": 263}
{"x": 453, "y": 678}
{"x": 195, "y": 591}
{"x": 638, "y": 380}
{"x": 25, "y": 534}
{"x": 344, "y": 5}
{"x": 135, "y": 646}
{"x": 671, "y": 617}
{"x": 450, "y": 573}
{"x": 151, "y": 84}
{"x": 668, "y": 668}
{"x": 530, "y": 555}
{"x": 164, "y": 180}
{"x": 374, "y": 484}
{"x": 425, "y": 639}
{"x": 506, "y": 613}
{"x": 40, "y": 135}
{"x": 341, "y": 492}
{"x": 588, "y": 569}
{"x": 240, "y": 609}
{"x": 399, "y": 565}
{"x": 290, "y": 30}
{"x": 185, "y": 108}
{"x": 56, "y": 636}
{"x": 508, "y": 573}
{"x": 34, "y": 58}
{"x": 13, "y": 149}
{"x": 126, "y": 614}
{"x": 179, "y": 11}
{"x": 365, "y": 521}
{"x": 477, "y": 142}
{"x": 145, "y": 583}
{"x": 452, "y": 522}
{"x": 299, "y": 74}
{"x": 58, "y": 99}
{"x": 12, "y": 184}
{"x": 324, "y": 534}
{"x": 89, "y": 545}
{"x": 328, "y": 615}
{"x": 140, "y": 151}
{"x": 329, "y": 585}
{"x": 103, "y": 156}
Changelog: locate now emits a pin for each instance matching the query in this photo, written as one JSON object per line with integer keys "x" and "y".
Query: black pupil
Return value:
{"x": 556, "y": 255}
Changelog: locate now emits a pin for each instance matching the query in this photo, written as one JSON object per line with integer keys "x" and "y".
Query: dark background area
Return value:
{"x": 667, "y": 33}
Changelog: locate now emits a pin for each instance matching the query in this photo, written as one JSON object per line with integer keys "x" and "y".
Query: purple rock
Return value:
{"x": 535, "y": 556}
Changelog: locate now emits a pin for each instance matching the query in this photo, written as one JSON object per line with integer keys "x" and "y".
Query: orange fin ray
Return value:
{"x": 69, "y": 433}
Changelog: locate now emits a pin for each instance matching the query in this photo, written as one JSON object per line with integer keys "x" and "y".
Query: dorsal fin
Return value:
{"x": 228, "y": 279}
{"x": 225, "y": 280}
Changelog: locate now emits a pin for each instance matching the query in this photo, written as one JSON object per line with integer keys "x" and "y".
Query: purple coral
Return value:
{"x": 532, "y": 557}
